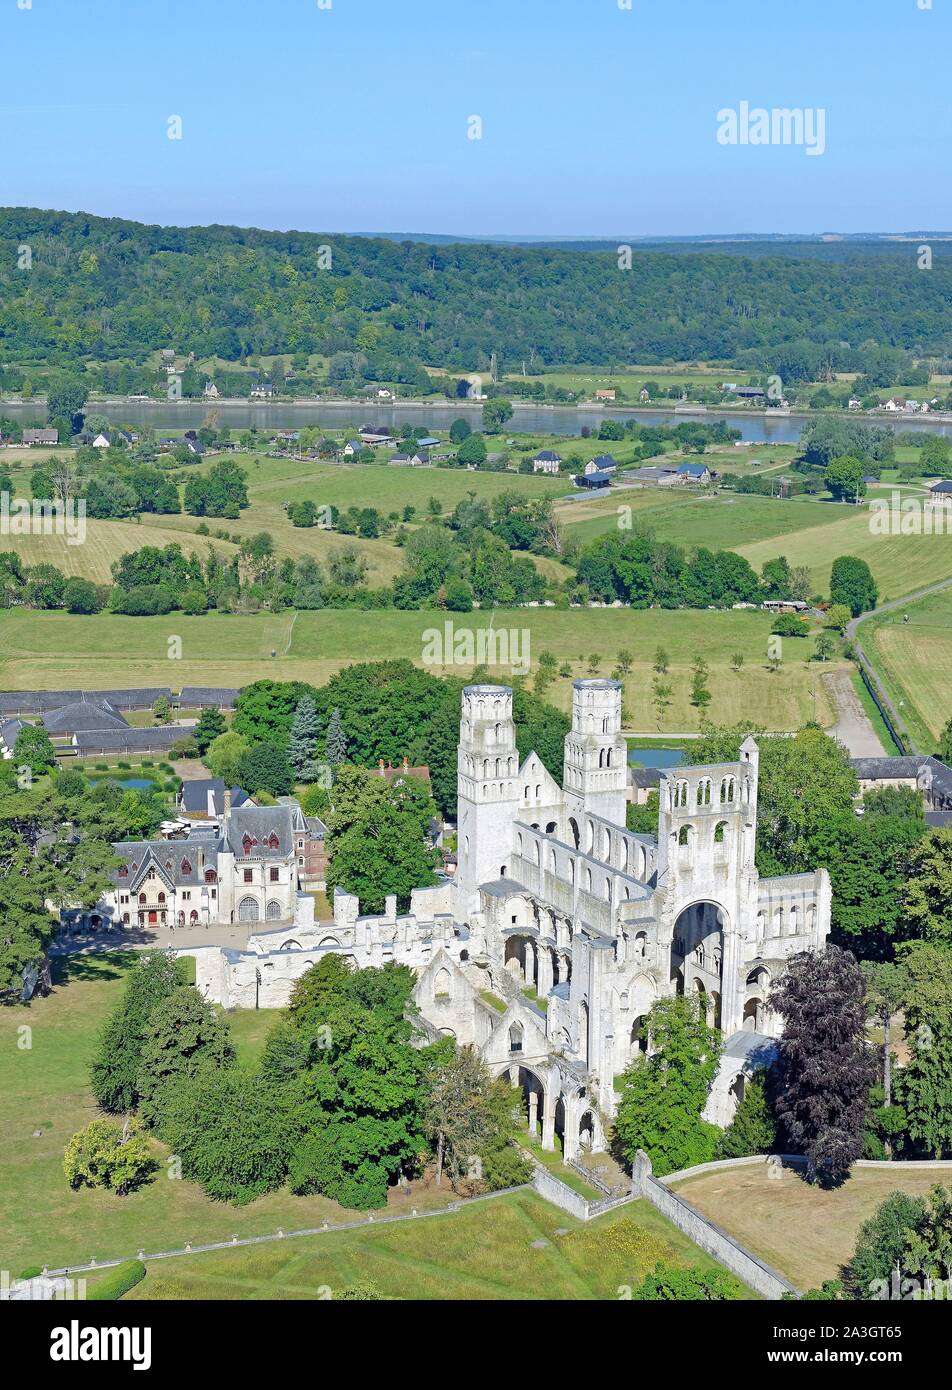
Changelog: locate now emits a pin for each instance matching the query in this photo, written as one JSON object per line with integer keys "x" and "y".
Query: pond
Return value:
{"x": 655, "y": 757}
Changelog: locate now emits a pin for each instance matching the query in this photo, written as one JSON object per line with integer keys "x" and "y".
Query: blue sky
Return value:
{"x": 597, "y": 120}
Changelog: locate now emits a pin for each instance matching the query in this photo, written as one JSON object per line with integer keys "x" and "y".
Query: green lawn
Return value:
{"x": 50, "y": 650}
{"x": 721, "y": 521}
{"x": 914, "y": 659}
{"x": 514, "y": 1247}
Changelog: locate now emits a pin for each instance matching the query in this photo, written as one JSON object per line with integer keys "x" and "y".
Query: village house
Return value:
{"x": 546, "y": 461}
{"x": 31, "y": 437}
{"x": 605, "y": 395}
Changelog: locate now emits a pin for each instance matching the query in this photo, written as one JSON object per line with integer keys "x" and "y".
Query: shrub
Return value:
{"x": 118, "y": 1281}
{"x": 107, "y": 1154}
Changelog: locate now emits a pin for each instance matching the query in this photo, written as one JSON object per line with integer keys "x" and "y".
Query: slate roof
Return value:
{"x": 694, "y": 470}
{"x": 128, "y": 740}
{"x": 645, "y": 777}
{"x": 83, "y": 716}
{"x": 259, "y": 823}
{"x": 39, "y": 701}
{"x": 217, "y": 697}
{"x": 547, "y": 455}
{"x": 9, "y": 730}
{"x": 603, "y": 461}
{"x": 169, "y": 858}
{"x": 593, "y": 479}
{"x": 880, "y": 769}
{"x": 195, "y": 796}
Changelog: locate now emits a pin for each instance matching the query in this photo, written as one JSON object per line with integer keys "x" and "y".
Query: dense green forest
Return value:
{"x": 75, "y": 287}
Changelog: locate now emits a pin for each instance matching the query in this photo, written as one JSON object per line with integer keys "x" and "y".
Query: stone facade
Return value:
{"x": 561, "y": 927}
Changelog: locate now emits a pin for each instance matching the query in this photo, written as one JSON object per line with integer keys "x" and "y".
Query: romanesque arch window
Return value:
{"x": 681, "y": 794}
{"x": 720, "y": 832}
{"x": 778, "y": 921}
{"x": 728, "y": 790}
{"x": 761, "y": 924}
{"x": 641, "y": 944}
{"x": 684, "y": 836}
{"x": 588, "y": 880}
{"x": 589, "y": 836}
{"x": 703, "y": 793}
{"x": 606, "y": 844}
{"x": 551, "y": 827}
{"x": 550, "y": 860}
{"x": 537, "y": 853}
{"x": 519, "y": 844}
{"x": 794, "y": 924}
{"x": 273, "y": 911}
{"x": 811, "y": 917}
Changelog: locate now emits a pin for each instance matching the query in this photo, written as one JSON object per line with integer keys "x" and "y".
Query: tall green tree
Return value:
{"x": 379, "y": 837}
{"x": 664, "y": 1093}
{"x": 924, "y": 1086}
{"x": 184, "y": 1034}
{"x": 115, "y": 1070}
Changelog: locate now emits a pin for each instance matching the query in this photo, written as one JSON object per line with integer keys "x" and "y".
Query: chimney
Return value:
{"x": 227, "y": 800}
{"x": 381, "y": 767}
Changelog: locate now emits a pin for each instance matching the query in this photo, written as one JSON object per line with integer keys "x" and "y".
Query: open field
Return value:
{"x": 106, "y": 541}
{"x": 384, "y": 487}
{"x": 52, "y": 650}
{"x": 802, "y": 1231}
{"x": 900, "y": 564}
{"x": 721, "y": 521}
{"x": 482, "y": 1251}
{"x": 914, "y": 659}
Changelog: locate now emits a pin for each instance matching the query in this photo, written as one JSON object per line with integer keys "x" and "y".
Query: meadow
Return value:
{"x": 54, "y": 649}
{"x": 914, "y": 659}
{"x": 487, "y": 1250}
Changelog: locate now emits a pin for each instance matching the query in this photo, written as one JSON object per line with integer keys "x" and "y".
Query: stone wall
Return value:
{"x": 748, "y": 1267}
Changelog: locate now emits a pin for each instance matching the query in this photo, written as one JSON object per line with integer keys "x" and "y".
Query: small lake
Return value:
{"x": 138, "y": 784}
{"x": 655, "y": 757}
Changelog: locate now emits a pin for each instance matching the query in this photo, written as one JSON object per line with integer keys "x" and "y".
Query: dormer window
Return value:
{"x": 246, "y": 843}
{"x": 273, "y": 841}
{"x": 210, "y": 876}
{"x": 124, "y": 871}
{"x": 186, "y": 867}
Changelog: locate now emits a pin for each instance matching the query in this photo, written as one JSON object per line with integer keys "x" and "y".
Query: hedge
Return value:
{"x": 118, "y": 1281}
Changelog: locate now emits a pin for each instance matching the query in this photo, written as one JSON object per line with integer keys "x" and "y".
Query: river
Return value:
{"x": 757, "y": 428}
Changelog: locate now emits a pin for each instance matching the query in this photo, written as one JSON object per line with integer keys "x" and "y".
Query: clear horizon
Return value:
{"x": 357, "y": 116}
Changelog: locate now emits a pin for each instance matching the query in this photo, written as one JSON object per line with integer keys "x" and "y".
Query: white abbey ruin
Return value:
{"x": 562, "y": 927}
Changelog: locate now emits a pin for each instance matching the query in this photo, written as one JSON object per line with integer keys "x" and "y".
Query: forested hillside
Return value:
{"x": 105, "y": 289}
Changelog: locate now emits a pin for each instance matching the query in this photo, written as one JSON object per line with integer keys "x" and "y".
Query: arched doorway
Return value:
{"x": 248, "y": 910}
{"x": 639, "y": 1036}
{"x": 697, "y": 950}
{"x": 532, "y": 1097}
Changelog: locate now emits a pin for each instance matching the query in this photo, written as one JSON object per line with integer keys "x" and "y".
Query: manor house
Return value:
{"x": 561, "y": 927}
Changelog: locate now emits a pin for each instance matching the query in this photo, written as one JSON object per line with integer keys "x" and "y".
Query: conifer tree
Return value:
{"x": 303, "y": 741}
{"x": 335, "y": 745}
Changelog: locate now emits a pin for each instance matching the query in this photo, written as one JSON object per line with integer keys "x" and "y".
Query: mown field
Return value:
{"x": 721, "y": 520}
{"x": 56, "y": 650}
{"x": 483, "y": 1251}
{"x": 513, "y": 1247}
{"x": 915, "y": 660}
{"x": 801, "y": 1230}
{"x": 106, "y": 541}
{"x": 900, "y": 564}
